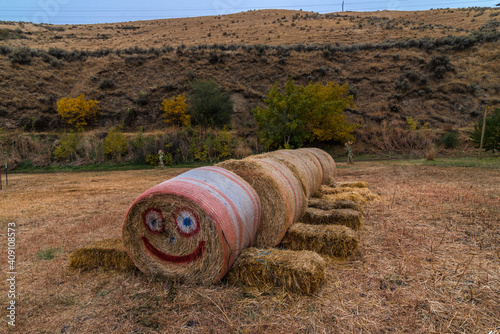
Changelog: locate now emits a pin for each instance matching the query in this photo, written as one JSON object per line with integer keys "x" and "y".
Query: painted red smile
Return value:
{"x": 196, "y": 254}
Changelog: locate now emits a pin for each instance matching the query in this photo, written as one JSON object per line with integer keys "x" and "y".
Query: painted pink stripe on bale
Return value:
{"x": 309, "y": 175}
{"x": 290, "y": 179}
{"x": 252, "y": 194}
{"x": 241, "y": 198}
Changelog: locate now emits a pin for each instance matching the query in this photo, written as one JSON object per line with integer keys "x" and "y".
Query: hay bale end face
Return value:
{"x": 324, "y": 204}
{"x": 300, "y": 272}
{"x": 327, "y": 164}
{"x": 192, "y": 227}
{"x": 108, "y": 254}
{"x": 281, "y": 196}
{"x": 346, "y": 217}
{"x": 332, "y": 240}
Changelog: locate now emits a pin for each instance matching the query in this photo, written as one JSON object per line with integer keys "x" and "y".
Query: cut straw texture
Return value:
{"x": 107, "y": 254}
{"x": 282, "y": 198}
{"x": 327, "y": 164}
{"x": 354, "y": 184}
{"x": 356, "y": 194}
{"x": 294, "y": 271}
{"x": 331, "y": 240}
{"x": 192, "y": 227}
{"x": 346, "y": 217}
{"x": 324, "y": 204}
{"x": 304, "y": 166}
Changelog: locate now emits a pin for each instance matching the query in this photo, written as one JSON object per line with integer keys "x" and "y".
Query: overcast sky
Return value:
{"x": 98, "y": 11}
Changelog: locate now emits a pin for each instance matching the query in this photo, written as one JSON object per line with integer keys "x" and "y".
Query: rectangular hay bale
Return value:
{"x": 300, "y": 272}
{"x": 107, "y": 254}
{"x": 332, "y": 240}
{"x": 324, "y": 204}
{"x": 347, "y": 217}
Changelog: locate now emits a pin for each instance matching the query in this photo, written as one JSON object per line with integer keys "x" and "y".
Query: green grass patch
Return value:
{"x": 27, "y": 167}
{"x": 472, "y": 162}
{"x": 48, "y": 253}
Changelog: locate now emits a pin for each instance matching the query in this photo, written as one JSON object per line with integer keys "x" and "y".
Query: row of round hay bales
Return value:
{"x": 195, "y": 225}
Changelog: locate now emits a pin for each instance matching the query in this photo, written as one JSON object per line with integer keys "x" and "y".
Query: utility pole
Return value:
{"x": 342, "y": 5}
{"x": 482, "y": 133}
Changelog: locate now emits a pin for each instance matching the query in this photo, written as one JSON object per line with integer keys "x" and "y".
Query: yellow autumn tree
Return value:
{"x": 77, "y": 112}
{"x": 175, "y": 111}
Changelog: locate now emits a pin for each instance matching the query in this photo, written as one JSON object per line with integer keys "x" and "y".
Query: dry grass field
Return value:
{"x": 429, "y": 261}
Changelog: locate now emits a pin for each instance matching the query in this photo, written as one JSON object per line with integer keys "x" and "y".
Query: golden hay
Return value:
{"x": 276, "y": 196}
{"x": 295, "y": 271}
{"x": 107, "y": 254}
{"x": 346, "y": 217}
{"x": 332, "y": 240}
{"x": 354, "y": 184}
{"x": 327, "y": 164}
{"x": 360, "y": 195}
{"x": 305, "y": 170}
{"x": 324, "y": 204}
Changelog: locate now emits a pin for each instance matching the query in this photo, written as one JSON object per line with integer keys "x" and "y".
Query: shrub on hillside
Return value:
{"x": 67, "y": 148}
{"x": 175, "y": 111}
{"x": 209, "y": 105}
{"x": 439, "y": 65}
{"x": 77, "y": 112}
{"x": 115, "y": 143}
{"x": 20, "y": 55}
{"x": 450, "y": 139}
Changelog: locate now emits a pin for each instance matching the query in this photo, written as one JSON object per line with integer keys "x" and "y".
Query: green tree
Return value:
{"x": 304, "y": 113}
{"x": 491, "y": 133}
{"x": 115, "y": 143}
{"x": 209, "y": 105}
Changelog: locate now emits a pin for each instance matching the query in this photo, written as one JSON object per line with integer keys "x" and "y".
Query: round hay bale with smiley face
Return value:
{"x": 282, "y": 197}
{"x": 193, "y": 226}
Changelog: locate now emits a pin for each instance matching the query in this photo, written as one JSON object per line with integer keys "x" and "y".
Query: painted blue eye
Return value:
{"x": 153, "y": 220}
{"x": 187, "y": 223}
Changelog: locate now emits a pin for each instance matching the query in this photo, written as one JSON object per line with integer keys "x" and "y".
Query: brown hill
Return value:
{"x": 438, "y": 66}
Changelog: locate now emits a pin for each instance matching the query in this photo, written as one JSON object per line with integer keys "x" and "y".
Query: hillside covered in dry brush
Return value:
{"x": 439, "y": 67}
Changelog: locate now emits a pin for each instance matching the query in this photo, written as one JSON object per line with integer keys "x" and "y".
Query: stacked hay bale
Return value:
{"x": 347, "y": 217}
{"x": 192, "y": 227}
{"x": 352, "y": 191}
{"x": 332, "y": 240}
{"x": 108, "y": 254}
{"x": 281, "y": 194}
{"x": 297, "y": 271}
